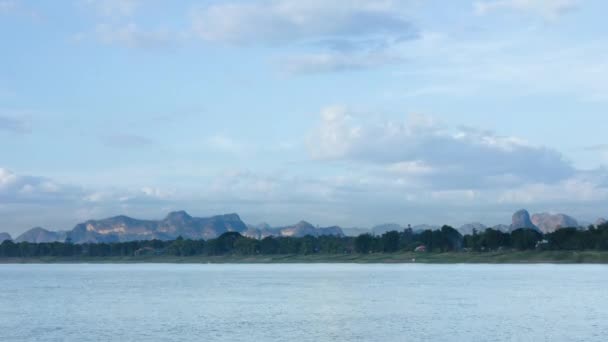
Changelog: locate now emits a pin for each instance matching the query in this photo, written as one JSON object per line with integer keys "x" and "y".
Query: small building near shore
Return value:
{"x": 420, "y": 249}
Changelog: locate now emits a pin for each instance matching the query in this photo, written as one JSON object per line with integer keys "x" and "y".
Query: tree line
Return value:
{"x": 446, "y": 239}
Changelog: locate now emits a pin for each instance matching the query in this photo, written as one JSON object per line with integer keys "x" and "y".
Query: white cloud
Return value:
{"x": 599, "y": 153}
{"x": 284, "y": 21}
{"x": 459, "y": 157}
{"x": 7, "y": 178}
{"x": 225, "y": 143}
{"x": 572, "y": 190}
{"x": 146, "y": 194}
{"x": 114, "y": 8}
{"x": 132, "y": 36}
{"x": 455, "y": 195}
{"x": 415, "y": 167}
{"x": 530, "y": 62}
{"x": 158, "y": 193}
{"x": 332, "y": 61}
{"x": 16, "y": 188}
{"x": 547, "y": 8}
{"x": 362, "y": 195}
{"x": 336, "y": 35}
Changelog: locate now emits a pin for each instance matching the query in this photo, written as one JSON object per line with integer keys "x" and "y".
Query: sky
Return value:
{"x": 349, "y": 113}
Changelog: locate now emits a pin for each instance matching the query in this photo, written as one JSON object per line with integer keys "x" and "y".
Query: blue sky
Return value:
{"x": 338, "y": 112}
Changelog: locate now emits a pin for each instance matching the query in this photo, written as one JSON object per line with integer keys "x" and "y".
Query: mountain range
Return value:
{"x": 543, "y": 222}
{"x": 179, "y": 223}
{"x": 299, "y": 229}
{"x": 175, "y": 224}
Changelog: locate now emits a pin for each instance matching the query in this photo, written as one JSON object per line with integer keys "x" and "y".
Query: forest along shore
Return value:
{"x": 445, "y": 245}
{"x": 505, "y": 257}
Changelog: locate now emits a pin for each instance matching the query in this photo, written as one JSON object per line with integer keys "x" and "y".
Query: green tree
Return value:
{"x": 451, "y": 239}
{"x": 363, "y": 243}
{"x": 525, "y": 238}
{"x": 390, "y": 242}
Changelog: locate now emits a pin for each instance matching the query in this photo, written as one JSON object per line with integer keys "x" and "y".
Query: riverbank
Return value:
{"x": 530, "y": 257}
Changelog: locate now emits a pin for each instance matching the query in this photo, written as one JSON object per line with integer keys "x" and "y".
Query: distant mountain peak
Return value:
{"x": 299, "y": 229}
{"x": 521, "y": 219}
{"x": 470, "y": 227}
{"x": 303, "y": 223}
{"x": 230, "y": 217}
{"x": 5, "y": 236}
{"x": 39, "y": 234}
{"x": 177, "y": 223}
{"x": 180, "y": 215}
{"x": 262, "y": 225}
{"x": 548, "y": 222}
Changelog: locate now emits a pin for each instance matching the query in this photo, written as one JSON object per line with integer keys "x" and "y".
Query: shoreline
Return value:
{"x": 509, "y": 257}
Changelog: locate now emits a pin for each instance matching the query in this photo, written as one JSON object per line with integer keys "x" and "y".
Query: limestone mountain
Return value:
{"x": 5, "y": 236}
{"x": 260, "y": 231}
{"x": 548, "y": 223}
{"x": 40, "y": 235}
{"x": 179, "y": 223}
{"x": 299, "y": 229}
{"x": 521, "y": 219}
{"x": 468, "y": 228}
{"x": 600, "y": 221}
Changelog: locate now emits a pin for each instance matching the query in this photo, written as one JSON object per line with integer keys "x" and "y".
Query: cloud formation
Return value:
{"x": 226, "y": 144}
{"x": 600, "y": 151}
{"x": 132, "y": 36}
{"x": 114, "y": 8}
{"x": 336, "y": 36}
{"x": 457, "y": 157}
{"x": 16, "y": 188}
{"x": 14, "y": 125}
{"x": 27, "y": 201}
{"x": 335, "y": 62}
{"x": 550, "y": 9}
{"x": 285, "y": 21}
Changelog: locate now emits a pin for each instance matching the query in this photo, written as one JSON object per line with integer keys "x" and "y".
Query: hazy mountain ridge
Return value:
{"x": 179, "y": 223}
{"x": 39, "y": 235}
{"x": 386, "y": 227}
{"x": 521, "y": 219}
{"x": 549, "y": 223}
{"x": 299, "y": 229}
{"x": 356, "y": 231}
{"x": 175, "y": 224}
{"x": 470, "y": 227}
{"x": 5, "y": 236}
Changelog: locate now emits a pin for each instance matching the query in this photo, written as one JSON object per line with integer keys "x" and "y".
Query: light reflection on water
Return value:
{"x": 331, "y": 302}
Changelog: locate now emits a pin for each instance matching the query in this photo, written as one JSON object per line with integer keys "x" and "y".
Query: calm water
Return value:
{"x": 303, "y": 303}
